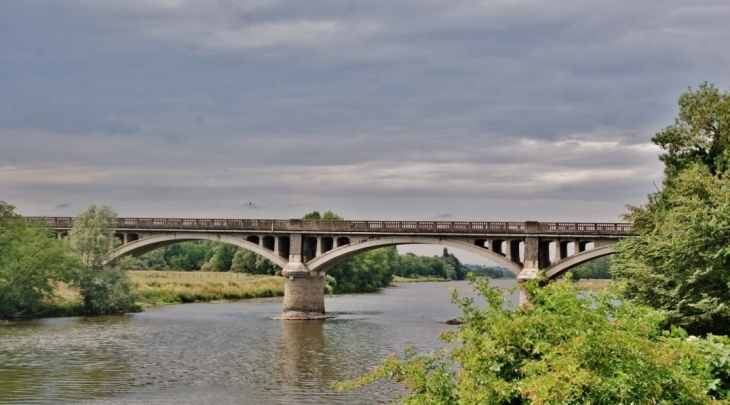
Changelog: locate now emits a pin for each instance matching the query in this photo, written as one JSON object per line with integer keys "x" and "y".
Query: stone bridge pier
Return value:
{"x": 303, "y": 290}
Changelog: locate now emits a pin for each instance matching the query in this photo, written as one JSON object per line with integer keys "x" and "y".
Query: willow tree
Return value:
{"x": 105, "y": 289}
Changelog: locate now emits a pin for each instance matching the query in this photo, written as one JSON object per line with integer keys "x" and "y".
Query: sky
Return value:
{"x": 403, "y": 110}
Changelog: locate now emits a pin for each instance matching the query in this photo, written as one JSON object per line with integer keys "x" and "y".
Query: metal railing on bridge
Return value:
{"x": 299, "y": 225}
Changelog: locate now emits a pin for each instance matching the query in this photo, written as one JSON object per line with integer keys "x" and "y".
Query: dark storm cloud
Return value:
{"x": 377, "y": 108}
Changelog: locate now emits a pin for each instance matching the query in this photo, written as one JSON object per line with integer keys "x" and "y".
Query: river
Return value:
{"x": 223, "y": 353}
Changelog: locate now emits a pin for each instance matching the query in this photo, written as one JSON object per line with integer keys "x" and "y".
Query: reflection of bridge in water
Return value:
{"x": 306, "y": 249}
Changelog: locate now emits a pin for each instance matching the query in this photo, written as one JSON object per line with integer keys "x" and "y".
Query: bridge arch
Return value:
{"x": 327, "y": 260}
{"x": 580, "y": 258}
{"x": 148, "y": 244}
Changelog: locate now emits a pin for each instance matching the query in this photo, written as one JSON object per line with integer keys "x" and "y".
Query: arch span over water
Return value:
{"x": 148, "y": 244}
{"x": 325, "y": 261}
{"x": 580, "y": 258}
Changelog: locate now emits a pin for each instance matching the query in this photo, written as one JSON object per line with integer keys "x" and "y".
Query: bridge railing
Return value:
{"x": 352, "y": 226}
{"x": 560, "y": 227}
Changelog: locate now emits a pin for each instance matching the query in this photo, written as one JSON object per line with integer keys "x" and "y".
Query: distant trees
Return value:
{"x": 32, "y": 261}
{"x": 327, "y": 216}
{"x": 366, "y": 272}
{"x": 446, "y": 266}
{"x": 222, "y": 258}
{"x": 246, "y": 261}
{"x": 491, "y": 272}
{"x": 594, "y": 269}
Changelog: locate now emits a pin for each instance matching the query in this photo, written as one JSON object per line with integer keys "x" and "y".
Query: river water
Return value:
{"x": 223, "y": 353}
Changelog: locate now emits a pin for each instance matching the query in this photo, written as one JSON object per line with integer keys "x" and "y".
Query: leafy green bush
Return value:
{"x": 564, "y": 349}
{"x": 107, "y": 291}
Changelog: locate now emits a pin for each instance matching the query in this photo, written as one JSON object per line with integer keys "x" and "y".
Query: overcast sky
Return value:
{"x": 416, "y": 109}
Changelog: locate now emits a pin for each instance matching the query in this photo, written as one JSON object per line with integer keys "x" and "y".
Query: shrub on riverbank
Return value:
{"x": 564, "y": 349}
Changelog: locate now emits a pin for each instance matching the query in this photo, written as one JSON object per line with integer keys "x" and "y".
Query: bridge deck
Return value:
{"x": 303, "y": 225}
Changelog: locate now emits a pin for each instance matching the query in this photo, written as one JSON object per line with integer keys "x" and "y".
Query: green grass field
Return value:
{"x": 158, "y": 287}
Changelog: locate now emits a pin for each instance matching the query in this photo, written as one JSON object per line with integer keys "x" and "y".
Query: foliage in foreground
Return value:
{"x": 562, "y": 350}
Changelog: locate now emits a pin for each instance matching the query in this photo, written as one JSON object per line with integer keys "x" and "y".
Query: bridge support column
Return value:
{"x": 303, "y": 298}
{"x": 303, "y": 293}
{"x": 531, "y": 269}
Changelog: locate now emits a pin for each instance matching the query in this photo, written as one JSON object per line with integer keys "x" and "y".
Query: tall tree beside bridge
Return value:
{"x": 680, "y": 262}
{"x": 104, "y": 289}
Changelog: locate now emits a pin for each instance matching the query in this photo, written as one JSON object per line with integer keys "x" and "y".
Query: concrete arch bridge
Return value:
{"x": 306, "y": 249}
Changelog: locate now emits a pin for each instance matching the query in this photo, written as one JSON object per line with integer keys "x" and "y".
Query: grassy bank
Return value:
{"x": 167, "y": 287}
{"x": 592, "y": 284}
{"x": 171, "y": 287}
{"x": 397, "y": 279}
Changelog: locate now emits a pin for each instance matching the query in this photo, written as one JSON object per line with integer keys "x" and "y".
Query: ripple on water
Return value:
{"x": 227, "y": 353}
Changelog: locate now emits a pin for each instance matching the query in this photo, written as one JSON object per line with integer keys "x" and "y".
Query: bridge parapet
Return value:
{"x": 409, "y": 227}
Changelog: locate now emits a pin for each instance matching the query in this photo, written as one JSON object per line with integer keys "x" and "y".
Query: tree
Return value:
{"x": 222, "y": 258}
{"x": 92, "y": 235}
{"x": 246, "y": 261}
{"x": 680, "y": 261}
{"x": 327, "y": 216}
{"x": 312, "y": 215}
{"x": 32, "y": 260}
{"x": 104, "y": 289}
{"x": 331, "y": 216}
{"x": 700, "y": 134}
{"x": 564, "y": 349}
{"x": 188, "y": 255}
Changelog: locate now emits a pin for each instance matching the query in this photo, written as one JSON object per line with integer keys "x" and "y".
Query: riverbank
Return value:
{"x": 592, "y": 284}
{"x": 170, "y": 287}
{"x": 425, "y": 279}
{"x": 173, "y": 287}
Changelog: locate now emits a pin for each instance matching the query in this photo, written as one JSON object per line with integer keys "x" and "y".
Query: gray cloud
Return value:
{"x": 480, "y": 109}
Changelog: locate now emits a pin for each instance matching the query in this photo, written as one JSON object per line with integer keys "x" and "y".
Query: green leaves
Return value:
{"x": 564, "y": 349}
{"x": 700, "y": 134}
{"x": 105, "y": 290}
{"x": 680, "y": 262}
{"x": 92, "y": 235}
{"x": 32, "y": 259}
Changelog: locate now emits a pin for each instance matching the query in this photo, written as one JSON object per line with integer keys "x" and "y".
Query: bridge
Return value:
{"x": 306, "y": 249}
